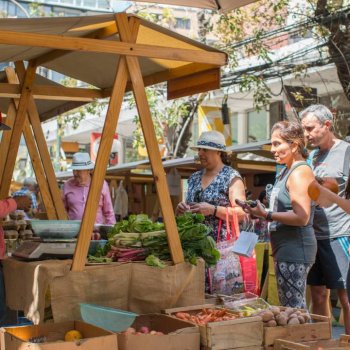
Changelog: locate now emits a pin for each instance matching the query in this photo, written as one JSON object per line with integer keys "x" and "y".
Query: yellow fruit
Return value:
{"x": 73, "y": 335}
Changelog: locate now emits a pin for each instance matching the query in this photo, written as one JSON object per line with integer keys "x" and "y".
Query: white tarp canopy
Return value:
{"x": 221, "y": 5}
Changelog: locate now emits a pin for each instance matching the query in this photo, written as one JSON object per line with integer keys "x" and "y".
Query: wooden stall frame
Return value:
{"x": 27, "y": 117}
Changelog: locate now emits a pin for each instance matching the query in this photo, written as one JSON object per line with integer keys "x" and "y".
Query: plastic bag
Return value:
{"x": 121, "y": 202}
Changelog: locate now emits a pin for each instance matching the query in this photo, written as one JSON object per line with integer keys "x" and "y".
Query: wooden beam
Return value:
{"x": 114, "y": 47}
{"x": 17, "y": 129}
{"x": 34, "y": 155}
{"x": 194, "y": 84}
{"x": 49, "y": 92}
{"x": 68, "y": 106}
{"x": 151, "y": 144}
{"x": 6, "y": 136}
{"x": 43, "y": 150}
{"x": 94, "y": 195}
{"x": 167, "y": 75}
{"x": 101, "y": 33}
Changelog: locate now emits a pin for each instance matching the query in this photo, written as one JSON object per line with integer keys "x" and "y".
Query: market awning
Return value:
{"x": 88, "y": 49}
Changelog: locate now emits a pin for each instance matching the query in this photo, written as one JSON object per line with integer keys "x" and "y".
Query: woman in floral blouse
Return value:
{"x": 215, "y": 187}
{"x": 212, "y": 192}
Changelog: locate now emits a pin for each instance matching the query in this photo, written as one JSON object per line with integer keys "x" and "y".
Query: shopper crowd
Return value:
{"x": 309, "y": 240}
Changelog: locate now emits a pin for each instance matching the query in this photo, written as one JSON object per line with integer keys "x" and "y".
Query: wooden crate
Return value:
{"x": 245, "y": 332}
{"x": 343, "y": 343}
{"x": 319, "y": 329}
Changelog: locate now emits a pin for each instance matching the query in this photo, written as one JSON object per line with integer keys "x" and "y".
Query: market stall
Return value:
{"x": 114, "y": 54}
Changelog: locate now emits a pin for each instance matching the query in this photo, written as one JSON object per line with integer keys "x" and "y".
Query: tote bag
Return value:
{"x": 248, "y": 266}
{"x": 226, "y": 277}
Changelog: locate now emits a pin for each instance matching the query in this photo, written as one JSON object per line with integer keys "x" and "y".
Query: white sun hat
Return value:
{"x": 213, "y": 140}
{"x": 82, "y": 161}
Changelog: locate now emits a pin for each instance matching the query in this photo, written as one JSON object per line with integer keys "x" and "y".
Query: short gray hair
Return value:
{"x": 29, "y": 181}
{"x": 321, "y": 112}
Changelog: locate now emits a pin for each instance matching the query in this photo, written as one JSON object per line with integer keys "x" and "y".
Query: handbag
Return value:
{"x": 226, "y": 277}
{"x": 248, "y": 264}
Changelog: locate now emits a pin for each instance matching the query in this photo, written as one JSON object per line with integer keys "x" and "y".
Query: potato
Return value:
{"x": 293, "y": 320}
{"x": 275, "y": 310}
{"x": 289, "y": 311}
{"x": 267, "y": 316}
{"x": 271, "y": 323}
{"x": 281, "y": 319}
{"x": 301, "y": 319}
{"x": 306, "y": 316}
{"x": 293, "y": 315}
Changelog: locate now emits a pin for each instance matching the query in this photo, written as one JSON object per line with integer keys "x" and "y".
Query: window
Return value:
{"x": 257, "y": 126}
{"x": 183, "y": 23}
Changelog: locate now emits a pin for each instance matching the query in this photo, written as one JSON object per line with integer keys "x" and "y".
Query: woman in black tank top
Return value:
{"x": 290, "y": 214}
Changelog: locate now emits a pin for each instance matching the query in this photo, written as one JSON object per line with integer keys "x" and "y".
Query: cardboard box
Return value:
{"x": 243, "y": 332}
{"x": 178, "y": 335}
{"x": 343, "y": 343}
{"x": 13, "y": 338}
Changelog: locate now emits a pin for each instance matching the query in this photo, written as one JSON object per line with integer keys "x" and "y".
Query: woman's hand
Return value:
{"x": 181, "y": 208}
{"x": 203, "y": 208}
{"x": 259, "y": 211}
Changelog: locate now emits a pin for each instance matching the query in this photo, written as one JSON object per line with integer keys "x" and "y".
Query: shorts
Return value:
{"x": 331, "y": 268}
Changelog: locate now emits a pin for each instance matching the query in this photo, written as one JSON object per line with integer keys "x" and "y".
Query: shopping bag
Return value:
{"x": 121, "y": 201}
{"x": 248, "y": 263}
{"x": 226, "y": 277}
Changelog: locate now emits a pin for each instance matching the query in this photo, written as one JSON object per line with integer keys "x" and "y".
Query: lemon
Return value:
{"x": 73, "y": 335}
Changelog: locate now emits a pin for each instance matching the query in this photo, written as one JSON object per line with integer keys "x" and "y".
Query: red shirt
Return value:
{"x": 6, "y": 206}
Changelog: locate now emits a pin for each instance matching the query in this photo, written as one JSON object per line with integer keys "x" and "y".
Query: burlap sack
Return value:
{"x": 106, "y": 285}
{"x": 135, "y": 287}
{"x": 153, "y": 289}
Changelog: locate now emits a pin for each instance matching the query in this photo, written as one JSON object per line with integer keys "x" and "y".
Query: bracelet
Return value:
{"x": 269, "y": 216}
{"x": 215, "y": 210}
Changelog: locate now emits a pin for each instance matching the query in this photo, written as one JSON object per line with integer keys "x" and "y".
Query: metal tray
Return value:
{"x": 56, "y": 228}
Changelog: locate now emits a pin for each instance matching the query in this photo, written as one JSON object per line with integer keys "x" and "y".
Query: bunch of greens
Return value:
{"x": 140, "y": 231}
{"x": 136, "y": 224}
{"x": 195, "y": 241}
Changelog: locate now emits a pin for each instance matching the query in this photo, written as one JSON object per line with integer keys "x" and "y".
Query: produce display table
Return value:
{"x": 129, "y": 286}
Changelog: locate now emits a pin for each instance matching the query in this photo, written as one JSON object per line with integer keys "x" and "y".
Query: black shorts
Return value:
{"x": 331, "y": 268}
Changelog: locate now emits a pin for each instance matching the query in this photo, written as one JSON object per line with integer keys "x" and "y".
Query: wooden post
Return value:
{"x": 151, "y": 144}
{"x": 108, "y": 132}
{"x": 6, "y": 136}
{"x": 44, "y": 153}
{"x": 17, "y": 129}
{"x": 34, "y": 154}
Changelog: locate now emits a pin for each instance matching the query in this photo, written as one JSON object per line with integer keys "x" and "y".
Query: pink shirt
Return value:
{"x": 74, "y": 199}
{"x": 6, "y": 206}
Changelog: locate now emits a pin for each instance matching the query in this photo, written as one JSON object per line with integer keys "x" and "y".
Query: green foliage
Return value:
{"x": 166, "y": 116}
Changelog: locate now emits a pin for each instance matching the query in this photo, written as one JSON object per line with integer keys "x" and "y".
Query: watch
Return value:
{"x": 215, "y": 210}
{"x": 269, "y": 216}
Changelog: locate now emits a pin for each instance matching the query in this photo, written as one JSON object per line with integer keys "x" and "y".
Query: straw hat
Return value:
{"x": 82, "y": 161}
{"x": 213, "y": 140}
{"x": 2, "y": 125}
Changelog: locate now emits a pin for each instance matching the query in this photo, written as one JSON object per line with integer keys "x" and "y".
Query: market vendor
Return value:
{"x": 76, "y": 190}
{"x": 212, "y": 191}
{"x": 7, "y": 206}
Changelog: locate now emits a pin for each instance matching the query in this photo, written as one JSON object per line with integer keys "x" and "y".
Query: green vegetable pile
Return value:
{"x": 140, "y": 231}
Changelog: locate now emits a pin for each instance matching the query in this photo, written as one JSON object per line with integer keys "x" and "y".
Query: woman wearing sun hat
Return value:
{"x": 215, "y": 187}
{"x": 212, "y": 192}
{"x": 76, "y": 189}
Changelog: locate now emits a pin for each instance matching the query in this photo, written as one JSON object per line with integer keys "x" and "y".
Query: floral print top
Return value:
{"x": 217, "y": 193}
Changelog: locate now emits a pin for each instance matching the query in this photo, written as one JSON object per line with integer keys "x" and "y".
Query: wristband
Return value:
{"x": 269, "y": 216}
{"x": 215, "y": 210}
